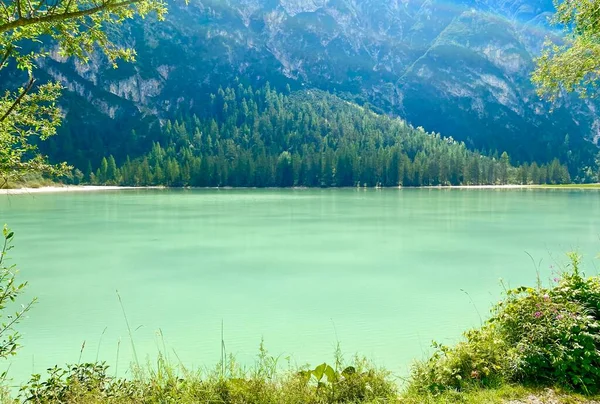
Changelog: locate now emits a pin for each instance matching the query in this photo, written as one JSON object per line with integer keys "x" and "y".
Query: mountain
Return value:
{"x": 459, "y": 68}
{"x": 249, "y": 137}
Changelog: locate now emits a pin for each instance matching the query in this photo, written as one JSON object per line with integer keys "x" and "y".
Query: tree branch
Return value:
{"x": 19, "y": 9}
{"x": 36, "y": 8}
{"x": 68, "y": 6}
{"x": 29, "y": 8}
{"x": 17, "y": 317}
{"x": 23, "y": 22}
{"x": 18, "y": 100}
{"x": 9, "y": 49}
{"x": 5, "y": 10}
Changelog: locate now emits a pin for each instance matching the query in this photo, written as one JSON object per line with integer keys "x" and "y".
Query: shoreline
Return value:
{"x": 69, "y": 188}
{"x": 516, "y": 186}
{"x": 95, "y": 188}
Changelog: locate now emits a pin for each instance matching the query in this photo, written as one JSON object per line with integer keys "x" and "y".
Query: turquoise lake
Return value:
{"x": 384, "y": 272}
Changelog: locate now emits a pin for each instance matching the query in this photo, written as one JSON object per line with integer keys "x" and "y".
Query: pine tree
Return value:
{"x": 503, "y": 168}
{"x": 111, "y": 171}
{"x": 285, "y": 174}
{"x": 88, "y": 173}
{"x": 102, "y": 175}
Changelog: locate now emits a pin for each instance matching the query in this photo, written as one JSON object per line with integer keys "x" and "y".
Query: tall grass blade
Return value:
{"x": 135, "y": 357}
{"x": 100, "y": 343}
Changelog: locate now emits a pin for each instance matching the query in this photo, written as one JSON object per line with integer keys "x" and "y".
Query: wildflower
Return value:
{"x": 546, "y": 297}
{"x": 559, "y": 317}
{"x": 475, "y": 374}
{"x": 556, "y": 280}
{"x": 537, "y": 314}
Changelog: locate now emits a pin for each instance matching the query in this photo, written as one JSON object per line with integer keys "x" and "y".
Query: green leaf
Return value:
{"x": 350, "y": 370}
{"x": 319, "y": 371}
{"x": 330, "y": 374}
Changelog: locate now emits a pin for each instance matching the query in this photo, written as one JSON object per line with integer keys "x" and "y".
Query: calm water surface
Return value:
{"x": 382, "y": 271}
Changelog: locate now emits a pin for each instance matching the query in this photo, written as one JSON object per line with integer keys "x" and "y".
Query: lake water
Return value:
{"x": 385, "y": 272}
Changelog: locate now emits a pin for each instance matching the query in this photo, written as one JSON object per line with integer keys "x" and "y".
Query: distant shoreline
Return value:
{"x": 93, "y": 188}
{"x": 68, "y": 188}
{"x": 517, "y": 186}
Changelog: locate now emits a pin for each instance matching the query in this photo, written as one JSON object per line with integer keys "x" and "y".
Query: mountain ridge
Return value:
{"x": 453, "y": 68}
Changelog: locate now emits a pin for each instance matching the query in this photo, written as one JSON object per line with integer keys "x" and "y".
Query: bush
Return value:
{"x": 90, "y": 383}
{"x": 539, "y": 336}
{"x": 552, "y": 341}
{"x": 479, "y": 361}
{"x": 78, "y": 384}
{"x": 574, "y": 287}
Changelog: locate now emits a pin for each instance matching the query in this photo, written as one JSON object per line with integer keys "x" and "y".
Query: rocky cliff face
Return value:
{"x": 461, "y": 68}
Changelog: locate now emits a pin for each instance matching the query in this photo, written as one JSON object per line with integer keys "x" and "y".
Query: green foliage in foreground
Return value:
{"x": 31, "y": 113}
{"x": 536, "y": 336}
{"x": 359, "y": 382}
{"x": 574, "y": 65}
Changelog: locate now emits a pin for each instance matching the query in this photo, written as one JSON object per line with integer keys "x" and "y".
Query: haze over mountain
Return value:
{"x": 458, "y": 68}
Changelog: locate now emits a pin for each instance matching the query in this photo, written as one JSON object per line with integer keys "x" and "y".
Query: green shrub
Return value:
{"x": 479, "y": 361}
{"x": 552, "y": 341}
{"x": 573, "y": 286}
{"x": 540, "y": 336}
{"x": 90, "y": 383}
{"x": 87, "y": 382}
{"x": 358, "y": 383}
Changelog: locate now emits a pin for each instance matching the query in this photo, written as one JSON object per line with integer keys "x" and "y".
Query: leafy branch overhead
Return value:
{"x": 574, "y": 65}
{"x": 78, "y": 28}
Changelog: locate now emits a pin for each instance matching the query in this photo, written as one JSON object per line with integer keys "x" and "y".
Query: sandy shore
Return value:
{"x": 91, "y": 188}
{"x": 509, "y": 186}
{"x": 74, "y": 188}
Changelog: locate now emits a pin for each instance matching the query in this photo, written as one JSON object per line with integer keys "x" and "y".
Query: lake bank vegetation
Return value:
{"x": 535, "y": 338}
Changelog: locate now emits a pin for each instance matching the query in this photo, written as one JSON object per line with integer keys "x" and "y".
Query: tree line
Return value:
{"x": 249, "y": 137}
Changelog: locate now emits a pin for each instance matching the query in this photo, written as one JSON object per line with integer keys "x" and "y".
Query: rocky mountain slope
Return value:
{"x": 460, "y": 68}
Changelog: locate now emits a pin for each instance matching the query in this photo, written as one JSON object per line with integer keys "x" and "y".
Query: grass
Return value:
{"x": 265, "y": 382}
{"x": 164, "y": 382}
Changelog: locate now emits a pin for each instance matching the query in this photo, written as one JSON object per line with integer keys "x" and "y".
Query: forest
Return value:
{"x": 248, "y": 137}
